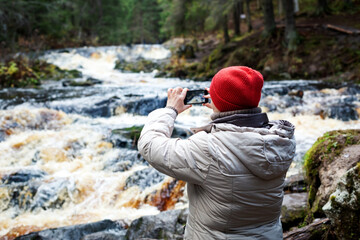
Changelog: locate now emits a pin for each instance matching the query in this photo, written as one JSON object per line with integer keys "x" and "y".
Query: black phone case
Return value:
{"x": 193, "y": 93}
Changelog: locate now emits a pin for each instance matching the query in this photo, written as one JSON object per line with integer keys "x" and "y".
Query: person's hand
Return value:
{"x": 208, "y": 104}
{"x": 176, "y": 98}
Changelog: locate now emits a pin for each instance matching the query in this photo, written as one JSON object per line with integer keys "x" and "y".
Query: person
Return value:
{"x": 234, "y": 167}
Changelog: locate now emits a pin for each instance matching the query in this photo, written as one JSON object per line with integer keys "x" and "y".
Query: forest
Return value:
{"x": 43, "y": 24}
{"x": 284, "y": 36}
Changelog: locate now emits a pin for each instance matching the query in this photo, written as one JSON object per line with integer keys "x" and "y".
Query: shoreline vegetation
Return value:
{"x": 326, "y": 43}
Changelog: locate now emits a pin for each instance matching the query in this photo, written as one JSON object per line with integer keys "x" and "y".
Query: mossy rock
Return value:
{"x": 142, "y": 65}
{"x": 132, "y": 133}
{"x": 25, "y": 72}
{"x": 321, "y": 155}
{"x": 87, "y": 83}
{"x": 343, "y": 207}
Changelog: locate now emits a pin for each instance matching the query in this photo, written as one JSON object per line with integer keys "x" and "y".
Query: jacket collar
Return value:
{"x": 217, "y": 115}
{"x": 241, "y": 118}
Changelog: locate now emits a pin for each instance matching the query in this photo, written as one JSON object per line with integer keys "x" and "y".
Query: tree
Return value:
{"x": 218, "y": 17}
{"x": 322, "y": 7}
{"x": 269, "y": 19}
{"x": 291, "y": 36}
{"x": 236, "y": 17}
{"x": 180, "y": 17}
{"x": 248, "y": 15}
{"x": 225, "y": 28}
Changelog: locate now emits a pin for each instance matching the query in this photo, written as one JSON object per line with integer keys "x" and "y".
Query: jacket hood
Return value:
{"x": 264, "y": 152}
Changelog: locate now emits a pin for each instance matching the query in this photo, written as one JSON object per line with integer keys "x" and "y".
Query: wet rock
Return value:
{"x": 343, "y": 111}
{"x": 343, "y": 207}
{"x": 295, "y": 183}
{"x": 293, "y": 209}
{"x": 329, "y": 158}
{"x": 103, "y": 228}
{"x": 145, "y": 106}
{"x": 275, "y": 103}
{"x": 126, "y": 137}
{"x": 39, "y": 119}
{"x": 125, "y": 161}
{"x": 104, "y": 236}
{"x": 120, "y": 141}
{"x": 144, "y": 178}
{"x": 53, "y": 194}
{"x": 166, "y": 225}
{"x": 18, "y": 195}
{"x": 87, "y": 83}
{"x": 103, "y": 108}
{"x": 2, "y": 135}
{"x": 23, "y": 175}
{"x": 351, "y": 89}
{"x": 26, "y": 190}
{"x": 142, "y": 65}
{"x": 296, "y": 93}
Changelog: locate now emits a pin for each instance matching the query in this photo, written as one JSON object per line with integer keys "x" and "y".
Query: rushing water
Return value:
{"x": 65, "y": 157}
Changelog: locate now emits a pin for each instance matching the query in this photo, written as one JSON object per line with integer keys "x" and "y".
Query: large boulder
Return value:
{"x": 343, "y": 207}
{"x": 326, "y": 162}
{"x": 166, "y": 225}
{"x": 293, "y": 209}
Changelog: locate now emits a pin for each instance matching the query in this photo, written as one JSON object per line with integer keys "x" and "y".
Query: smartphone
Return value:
{"x": 196, "y": 97}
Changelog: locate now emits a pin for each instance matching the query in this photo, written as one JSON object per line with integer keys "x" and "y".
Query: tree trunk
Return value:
{"x": 290, "y": 28}
{"x": 248, "y": 15}
{"x": 348, "y": 4}
{"x": 322, "y": 7}
{"x": 280, "y": 4}
{"x": 258, "y": 4}
{"x": 269, "y": 18}
{"x": 296, "y": 6}
{"x": 236, "y": 16}
{"x": 226, "y": 30}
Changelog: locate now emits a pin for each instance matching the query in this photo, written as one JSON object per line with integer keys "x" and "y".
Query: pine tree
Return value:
{"x": 269, "y": 19}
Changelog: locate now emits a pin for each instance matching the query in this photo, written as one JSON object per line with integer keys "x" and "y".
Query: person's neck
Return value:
{"x": 216, "y": 115}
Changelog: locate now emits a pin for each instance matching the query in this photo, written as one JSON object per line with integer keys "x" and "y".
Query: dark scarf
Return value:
{"x": 242, "y": 118}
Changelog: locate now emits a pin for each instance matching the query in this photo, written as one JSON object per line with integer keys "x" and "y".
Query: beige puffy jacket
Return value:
{"x": 235, "y": 174}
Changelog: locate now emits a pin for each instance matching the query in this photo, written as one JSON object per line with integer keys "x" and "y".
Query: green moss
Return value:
{"x": 323, "y": 151}
{"x": 138, "y": 66}
{"x": 23, "y": 72}
{"x": 291, "y": 217}
{"x": 131, "y": 133}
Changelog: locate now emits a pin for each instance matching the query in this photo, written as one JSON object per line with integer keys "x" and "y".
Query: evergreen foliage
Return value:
{"x": 39, "y": 24}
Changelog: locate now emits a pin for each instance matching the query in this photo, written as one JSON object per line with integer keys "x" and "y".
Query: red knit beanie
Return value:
{"x": 235, "y": 88}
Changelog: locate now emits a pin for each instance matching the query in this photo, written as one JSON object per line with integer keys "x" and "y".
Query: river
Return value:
{"x": 66, "y": 159}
